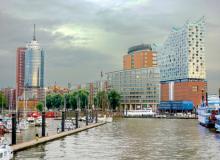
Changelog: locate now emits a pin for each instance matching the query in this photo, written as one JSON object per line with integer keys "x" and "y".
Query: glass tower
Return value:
{"x": 34, "y": 71}
{"x": 34, "y": 65}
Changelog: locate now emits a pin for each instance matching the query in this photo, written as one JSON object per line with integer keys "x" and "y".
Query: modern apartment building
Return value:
{"x": 140, "y": 88}
{"x": 182, "y": 63}
{"x": 139, "y": 81}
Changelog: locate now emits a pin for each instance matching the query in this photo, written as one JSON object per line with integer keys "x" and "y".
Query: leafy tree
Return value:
{"x": 73, "y": 100}
{"x": 79, "y": 96}
{"x": 57, "y": 100}
{"x": 49, "y": 100}
{"x": 3, "y": 100}
{"x": 40, "y": 106}
{"x": 95, "y": 101}
{"x": 114, "y": 99}
{"x": 83, "y": 97}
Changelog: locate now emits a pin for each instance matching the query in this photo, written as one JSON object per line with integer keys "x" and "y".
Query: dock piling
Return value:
{"x": 87, "y": 117}
{"x": 96, "y": 116}
{"x": 77, "y": 115}
{"x": 43, "y": 124}
{"x": 63, "y": 121}
{"x": 13, "y": 128}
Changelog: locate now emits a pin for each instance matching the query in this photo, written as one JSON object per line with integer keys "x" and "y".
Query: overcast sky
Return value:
{"x": 83, "y": 37}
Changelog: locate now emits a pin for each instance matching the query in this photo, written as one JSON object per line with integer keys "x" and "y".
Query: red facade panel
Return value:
{"x": 188, "y": 91}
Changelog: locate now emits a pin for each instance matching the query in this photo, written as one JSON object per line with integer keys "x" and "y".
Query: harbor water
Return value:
{"x": 129, "y": 139}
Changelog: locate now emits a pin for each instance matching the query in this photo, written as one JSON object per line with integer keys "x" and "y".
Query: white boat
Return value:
{"x": 217, "y": 123}
{"x": 38, "y": 121}
{"x": 31, "y": 121}
{"x": 8, "y": 125}
{"x": 6, "y": 152}
{"x": 23, "y": 124}
{"x": 105, "y": 119}
{"x": 69, "y": 125}
{"x": 144, "y": 112}
{"x": 207, "y": 115}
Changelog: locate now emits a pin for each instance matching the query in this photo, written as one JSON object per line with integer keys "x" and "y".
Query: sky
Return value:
{"x": 84, "y": 37}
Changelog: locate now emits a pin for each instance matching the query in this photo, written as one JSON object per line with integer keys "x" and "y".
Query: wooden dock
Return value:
{"x": 41, "y": 140}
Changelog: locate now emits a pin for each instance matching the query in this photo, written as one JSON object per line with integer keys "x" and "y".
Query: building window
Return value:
{"x": 195, "y": 88}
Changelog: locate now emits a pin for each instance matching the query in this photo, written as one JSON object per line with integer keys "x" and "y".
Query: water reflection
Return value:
{"x": 134, "y": 139}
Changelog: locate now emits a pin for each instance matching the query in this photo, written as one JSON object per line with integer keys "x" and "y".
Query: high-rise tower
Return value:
{"x": 34, "y": 64}
{"x": 182, "y": 63}
{"x": 34, "y": 68}
{"x": 20, "y": 65}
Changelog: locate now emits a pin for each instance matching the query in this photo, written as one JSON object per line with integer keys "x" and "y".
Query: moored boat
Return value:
{"x": 108, "y": 119}
{"x": 207, "y": 115}
{"x": 23, "y": 124}
{"x": 6, "y": 152}
{"x": 217, "y": 123}
{"x": 140, "y": 113}
{"x": 31, "y": 121}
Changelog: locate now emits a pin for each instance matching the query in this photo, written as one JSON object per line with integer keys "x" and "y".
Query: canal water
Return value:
{"x": 130, "y": 139}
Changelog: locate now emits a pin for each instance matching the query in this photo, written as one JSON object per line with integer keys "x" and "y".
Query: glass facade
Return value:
{"x": 140, "y": 88}
{"x": 182, "y": 55}
{"x": 34, "y": 66}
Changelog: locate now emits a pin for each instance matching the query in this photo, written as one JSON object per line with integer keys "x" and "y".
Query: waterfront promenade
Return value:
{"x": 37, "y": 141}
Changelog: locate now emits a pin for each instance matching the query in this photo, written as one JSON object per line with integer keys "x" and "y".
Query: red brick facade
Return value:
{"x": 20, "y": 67}
{"x": 190, "y": 91}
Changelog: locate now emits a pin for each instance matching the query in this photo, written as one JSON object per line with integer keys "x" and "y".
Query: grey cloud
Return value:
{"x": 148, "y": 22}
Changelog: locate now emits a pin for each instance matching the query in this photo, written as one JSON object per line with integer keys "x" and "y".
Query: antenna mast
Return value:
{"x": 34, "y": 36}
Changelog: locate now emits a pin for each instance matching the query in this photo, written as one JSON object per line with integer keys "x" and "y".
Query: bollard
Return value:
{"x": 77, "y": 115}
{"x": 126, "y": 112}
{"x": 96, "y": 116}
{"x": 87, "y": 118}
{"x": 63, "y": 122}
{"x": 13, "y": 129}
{"x": 43, "y": 124}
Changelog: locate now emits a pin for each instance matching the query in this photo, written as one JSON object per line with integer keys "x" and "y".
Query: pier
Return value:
{"x": 41, "y": 140}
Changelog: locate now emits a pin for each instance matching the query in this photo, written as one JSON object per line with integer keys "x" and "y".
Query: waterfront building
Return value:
{"x": 139, "y": 88}
{"x": 182, "y": 64}
{"x": 139, "y": 56}
{"x": 139, "y": 81}
{"x": 34, "y": 70}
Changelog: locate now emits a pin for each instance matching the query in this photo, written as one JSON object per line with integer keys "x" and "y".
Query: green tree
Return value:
{"x": 83, "y": 97}
{"x": 79, "y": 96}
{"x": 40, "y": 106}
{"x": 49, "y": 100}
{"x": 57, "y": 100}
{"x": 73, "y": 100}
{"x": 114, "y": 99}
{"x": 95, "y": 100}
{"x": 3, "y": 100}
